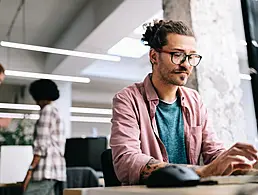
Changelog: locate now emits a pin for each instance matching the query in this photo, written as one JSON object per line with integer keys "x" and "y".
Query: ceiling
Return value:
{"x": 45, "y": 20}
{"x": 83, "y": 25}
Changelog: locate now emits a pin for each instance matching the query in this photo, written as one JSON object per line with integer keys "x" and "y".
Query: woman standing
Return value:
{"x": 48, "y": 164}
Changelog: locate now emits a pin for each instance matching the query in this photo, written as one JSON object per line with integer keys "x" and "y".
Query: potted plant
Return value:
{"x": 21, "y": 135}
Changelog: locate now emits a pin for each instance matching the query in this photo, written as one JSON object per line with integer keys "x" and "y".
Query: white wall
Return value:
{"x": 80, "y": 129}
{"x": 9, "y": 92}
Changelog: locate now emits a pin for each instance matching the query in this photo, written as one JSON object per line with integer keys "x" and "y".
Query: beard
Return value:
{"x": 175, "y": 77}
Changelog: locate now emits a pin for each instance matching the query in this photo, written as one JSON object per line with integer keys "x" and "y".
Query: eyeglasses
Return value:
{"x": 180, "y": 57}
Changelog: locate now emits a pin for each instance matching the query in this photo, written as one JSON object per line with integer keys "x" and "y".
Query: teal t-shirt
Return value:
{"x": 169, "y": 118}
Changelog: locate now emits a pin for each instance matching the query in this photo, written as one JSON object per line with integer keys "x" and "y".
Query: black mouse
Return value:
{"x": 173, "y": 176}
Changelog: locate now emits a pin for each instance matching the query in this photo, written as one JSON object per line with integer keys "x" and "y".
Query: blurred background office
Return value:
{"x": 39, "y": 40}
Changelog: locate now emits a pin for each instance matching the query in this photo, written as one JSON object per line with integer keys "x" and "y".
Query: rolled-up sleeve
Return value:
{"x": 128, "y": 158}
{"x": 211, "y": 146}
{"x": 43, "y": 126}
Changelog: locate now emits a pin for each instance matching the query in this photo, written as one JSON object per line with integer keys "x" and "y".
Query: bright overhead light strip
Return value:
{"x": 11, "y": 115}
{"x": 19, "y": 116}
{"x": 103, "y": 111}
{"x": 90, "y": 110}
{"x": 90, "y": 119}
{"x": 129, "y": 47}
{"x": 47, "y": 76}
{"x": 73, "y": 118}
{"x": 19, "y": 106}
{"x": 60, "y": 51}
{"x": 245, "y": 77}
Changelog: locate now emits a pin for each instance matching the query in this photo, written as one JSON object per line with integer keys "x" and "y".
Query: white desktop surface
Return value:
{"x": 143, "y": 190}
{"x": 14, "y": 163}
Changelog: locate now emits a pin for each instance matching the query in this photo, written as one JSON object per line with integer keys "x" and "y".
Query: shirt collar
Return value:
{"x": 152, "y": 95}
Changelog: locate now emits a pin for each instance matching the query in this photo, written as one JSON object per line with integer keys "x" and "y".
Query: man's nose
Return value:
{"x": 185, "y": 64}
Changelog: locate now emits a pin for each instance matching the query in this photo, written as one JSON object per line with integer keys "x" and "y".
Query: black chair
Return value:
{"x": 85, "y": 152}
{"x": 11, "y": 189}
{"x": 109, "y": 174}
{"x": 81, "y": 177}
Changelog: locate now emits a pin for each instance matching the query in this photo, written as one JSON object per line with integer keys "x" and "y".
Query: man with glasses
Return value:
{"x": 159, "y": 122}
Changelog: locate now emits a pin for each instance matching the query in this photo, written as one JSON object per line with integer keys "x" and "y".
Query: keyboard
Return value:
{"x": 232, "y": 179}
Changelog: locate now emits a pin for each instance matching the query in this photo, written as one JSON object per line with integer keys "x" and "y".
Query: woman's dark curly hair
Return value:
{"x": 44, "y": 89}
{"x": 155, "y": 35}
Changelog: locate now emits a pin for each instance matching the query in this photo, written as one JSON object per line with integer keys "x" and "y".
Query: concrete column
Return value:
{"x": 181, "y": 10}
{"x": 218, "y": 74}
{"x": 64, "y": 103}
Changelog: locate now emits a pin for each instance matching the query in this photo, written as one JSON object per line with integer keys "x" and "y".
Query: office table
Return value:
{"x": 143, "y": 190}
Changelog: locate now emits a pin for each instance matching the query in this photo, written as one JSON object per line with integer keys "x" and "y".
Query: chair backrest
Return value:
{"x": 85, "y": 152}
{"x": 108, "y": 169}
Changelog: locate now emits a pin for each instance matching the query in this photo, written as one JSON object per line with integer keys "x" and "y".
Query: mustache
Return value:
{"x": 182, "y": 70}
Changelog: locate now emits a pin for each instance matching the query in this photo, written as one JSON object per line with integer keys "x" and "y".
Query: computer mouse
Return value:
{"x": 173, "y": 176}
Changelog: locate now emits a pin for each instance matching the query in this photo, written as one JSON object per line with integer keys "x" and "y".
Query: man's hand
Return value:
{"x": 27, "y": 180}
{"x": 252, "y": 171}
{"x": 230, "y": 161}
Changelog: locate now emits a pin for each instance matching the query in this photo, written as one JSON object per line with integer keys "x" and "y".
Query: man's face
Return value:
{"x": 2, "y": 76}
{"x": 167, "y": 71}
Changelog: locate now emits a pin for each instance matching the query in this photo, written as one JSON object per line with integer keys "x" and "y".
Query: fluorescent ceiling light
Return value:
{"x": 72, "y": 109}
{"x": 73, "y": 118}
{"x": 255, "y": 43}
{"x": 11, "y": 115}
{"x": 140, "y": 30}
{"x": 245, "y": 77}
{"x": 46, "y": 76}
{"x": 19, "y": 106}
{"x": 90, "y": 110}
{"x": 129, "y": 47}
{"x": 59, "y": 51}
{"x": 19, "y": 116}
{"x": 243, "y": 42}
{"x": 90, "y": 119}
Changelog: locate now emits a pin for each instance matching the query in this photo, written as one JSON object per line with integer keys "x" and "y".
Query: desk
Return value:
{"x": 142, "y": 190}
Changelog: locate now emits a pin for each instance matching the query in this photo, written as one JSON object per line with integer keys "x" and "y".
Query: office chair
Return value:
{"x": 81, "y": 177}
{"x": 85, "y": 152}
{"x": 110, "y": 177}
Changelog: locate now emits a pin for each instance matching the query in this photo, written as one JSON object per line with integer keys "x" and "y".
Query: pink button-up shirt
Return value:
{"x": 135, "y": 138}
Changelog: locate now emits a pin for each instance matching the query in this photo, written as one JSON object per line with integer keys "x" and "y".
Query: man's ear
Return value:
{"x": 153, "y": 56}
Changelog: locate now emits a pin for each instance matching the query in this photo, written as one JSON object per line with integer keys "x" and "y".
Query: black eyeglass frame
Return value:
{"x": 186, "y": 56}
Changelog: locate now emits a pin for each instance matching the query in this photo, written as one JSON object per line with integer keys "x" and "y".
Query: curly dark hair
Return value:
{"x": 44, "y": 89}
{"x": 1, "y": 69}
{"x": 155, "y": 35}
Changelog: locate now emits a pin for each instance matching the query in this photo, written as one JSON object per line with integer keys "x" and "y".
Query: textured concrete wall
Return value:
{"x": 218, "y": 74}
{"x": 173, "y": 11}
